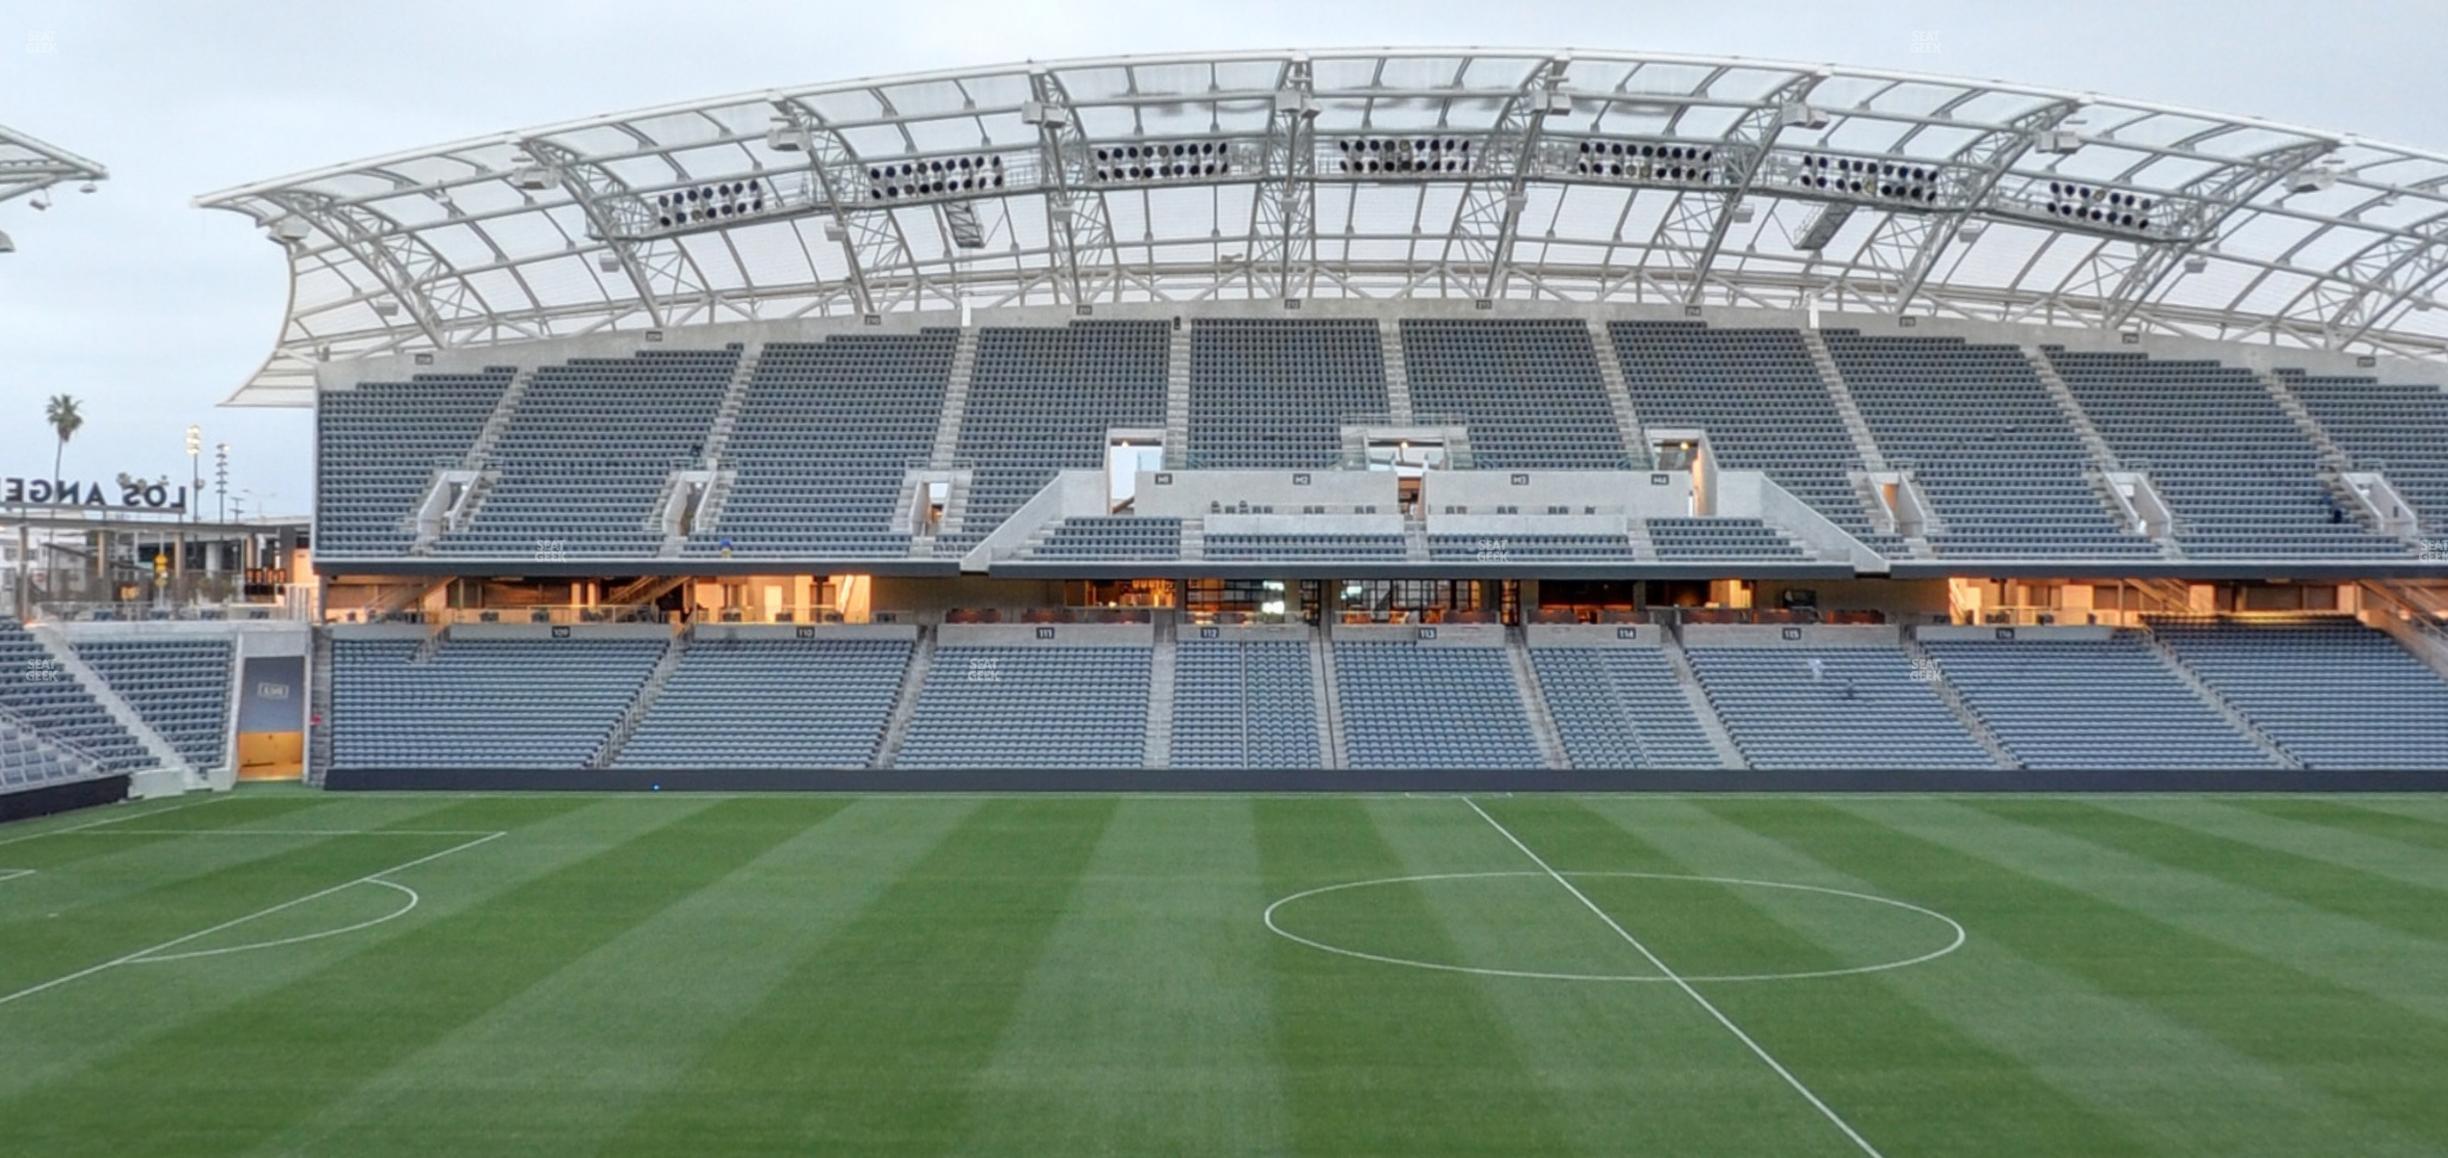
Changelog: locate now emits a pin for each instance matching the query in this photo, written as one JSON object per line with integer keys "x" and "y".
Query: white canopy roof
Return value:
{"x": 1390, "y": 173}
{"x": 29, "y": 166}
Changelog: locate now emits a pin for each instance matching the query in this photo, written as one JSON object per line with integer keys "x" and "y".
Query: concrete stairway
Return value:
{"x": 1177, "y": 400}
{"x": 1534, "y": 700}
{"x": 905, "y": 704}
{"x": 665, "y": 665}
{"x": 1159, "y": 746}
{"x": 1329, "y": 701}
{"x": 1397, "y": 372}
{"x": 1619, "y": 394}
{"x": 956, "y": 399}
{"x": 1728, "y": 755}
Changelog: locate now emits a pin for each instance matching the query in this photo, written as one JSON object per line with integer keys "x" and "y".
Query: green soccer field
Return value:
{"x": 282, "y": 972}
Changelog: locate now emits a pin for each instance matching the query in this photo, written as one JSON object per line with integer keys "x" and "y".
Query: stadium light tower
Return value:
{"x": 29, "y": 168}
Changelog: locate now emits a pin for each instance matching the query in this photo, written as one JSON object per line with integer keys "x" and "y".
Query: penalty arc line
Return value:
{"x": 175, "y": 942}
{"x": 413, "y": 900}
{"x": 1678, "y": 981}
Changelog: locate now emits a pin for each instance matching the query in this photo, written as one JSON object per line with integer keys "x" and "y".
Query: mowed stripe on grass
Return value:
{"x": 937, "y": 975}
{"x": 230, "y": 1080}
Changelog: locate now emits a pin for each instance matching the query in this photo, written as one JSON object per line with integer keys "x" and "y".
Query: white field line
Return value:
{"x": 1677, "y": 980}
{"x": 146, "y": 815}
{"x": 13, "y": 874}
{"x": 1954, "y": 943}
{"x": 402, "y": 911}
{"x": 294, "y": 832}
{"x": 175, "y": 942}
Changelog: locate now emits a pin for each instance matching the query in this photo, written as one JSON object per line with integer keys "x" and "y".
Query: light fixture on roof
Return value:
{"x": 41, "y": 201}
{"x": 1797, "y": 115}
{"x": 87, "y": 187}
{"x": 532, "y": 177}
{"x": 386, "y": 308}
{"x": 2058, "y": 142}
{"x": 1555, "y": 100}
{"x": 1972, "y": 229}
{"x": 1039, "y": 114}
{"x": 1743, "y": 213}
{"x": 784, "y": 138}
{"x": 7, "y": 245}
{"x": 608, "y": 261}
{"x": 2316, "y": 178}
{"x": 2197, "y": 263}
{"x": 288, "y": 230}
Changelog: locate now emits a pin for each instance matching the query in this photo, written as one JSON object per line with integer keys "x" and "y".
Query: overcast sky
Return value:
{"x": 152, "y": 311}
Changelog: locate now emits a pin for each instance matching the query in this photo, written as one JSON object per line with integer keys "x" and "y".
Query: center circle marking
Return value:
{"x": 1956, "y": 942}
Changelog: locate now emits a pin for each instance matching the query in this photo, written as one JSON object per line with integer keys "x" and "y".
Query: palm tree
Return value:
{"x": 65, "y": 421}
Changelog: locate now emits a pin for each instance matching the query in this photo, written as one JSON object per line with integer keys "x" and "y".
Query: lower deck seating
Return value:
{"x": 772, "y": 703}
{"x": 178, "y": 686}
{"x": 2091, "y": 704}
{"x": 47, "y": 699}
{"x": 1807, "y": 708}
{"x": 1031, "y": 707}
{"x": 1621, "y": 707}
{"x": 2329, "y": 691}
{"x": 1408, "y": 706}
{"x": 28, "y": 761}
{"x": 482, "y": 703}
{"x": 1244, "y": 705}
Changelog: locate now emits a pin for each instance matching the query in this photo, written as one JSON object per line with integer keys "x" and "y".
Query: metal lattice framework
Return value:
{"x": 1478, "y": 174}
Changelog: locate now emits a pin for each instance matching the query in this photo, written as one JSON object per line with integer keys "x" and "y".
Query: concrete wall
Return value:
{"x": 1424, "y": 634}
{"x": 1046, "y": 635}
{"x": 1937, "y": 633}
{"x": 1774, "y": 635}
{"x": 1642, "y": 494}
{"x": 1247, "y": 632}
{"x": 546, "y": 630}
{"x": 1639, "y": 635}
{"x": 1188, "y": 493}
{"x": 718, "y": 632}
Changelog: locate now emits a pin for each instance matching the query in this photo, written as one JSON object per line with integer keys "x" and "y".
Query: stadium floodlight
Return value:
{"x": 1822, "y": 229}
{"x": 386, "y": 307}
{"x": 288, "y": 230}
{"x": 1743, "y": 213}
{"x": 1972, "y": 229}
{"x": 533, "y": 178}
{"x": 1555, "y": 100}
{"x": 2197, "y": 263}
{"x": 785, "y": 138}
{"x": 2058, "y": 142}
{"x": 608, "y": 261}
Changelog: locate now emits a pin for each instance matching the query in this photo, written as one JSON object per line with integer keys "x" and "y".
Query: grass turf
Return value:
{"x": 1091, "y": 975}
